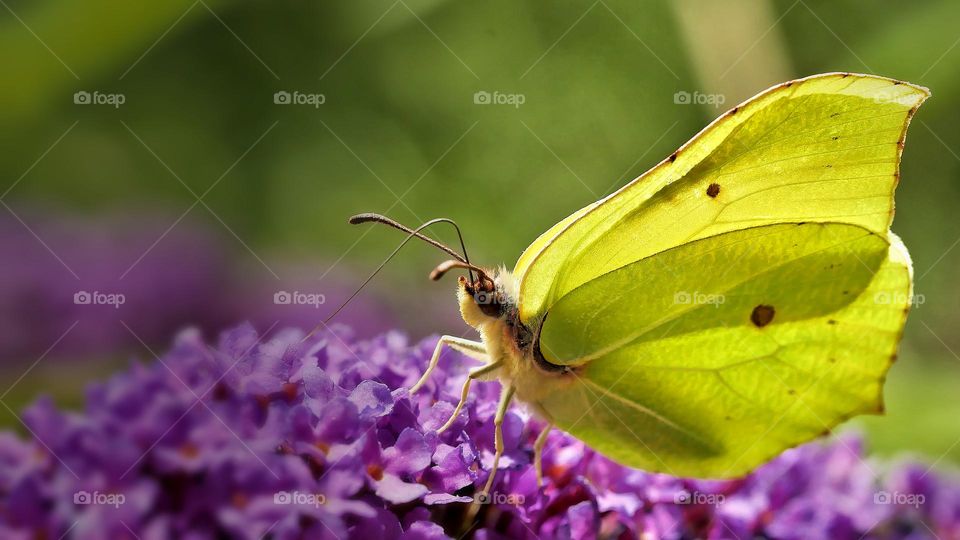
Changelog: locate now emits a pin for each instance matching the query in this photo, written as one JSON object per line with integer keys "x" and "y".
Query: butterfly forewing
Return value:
{"x": 823, "y": 149}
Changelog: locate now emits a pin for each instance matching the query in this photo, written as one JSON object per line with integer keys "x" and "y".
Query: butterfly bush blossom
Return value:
{"x": 319, "y": 438}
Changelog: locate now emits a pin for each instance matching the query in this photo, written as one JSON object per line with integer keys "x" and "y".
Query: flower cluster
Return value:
{"x": 319, "y": 438}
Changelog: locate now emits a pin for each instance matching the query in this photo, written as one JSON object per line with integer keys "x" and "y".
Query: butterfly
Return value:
{"x": 743, "y": 296}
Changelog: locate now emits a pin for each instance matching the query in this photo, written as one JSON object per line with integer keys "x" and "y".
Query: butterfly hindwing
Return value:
{"x": 746, "y": 343}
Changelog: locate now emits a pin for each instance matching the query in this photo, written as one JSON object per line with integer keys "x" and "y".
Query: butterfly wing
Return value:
{"x": 825, "y": 148}
{"x": 741, "y": 297}
{"x": 710, "y": 358}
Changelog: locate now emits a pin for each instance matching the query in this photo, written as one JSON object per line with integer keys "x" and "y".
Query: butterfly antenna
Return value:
{"x": 411, "y": 234}
{"x": 446, "y": 266}
{"x": 379, "y": 218}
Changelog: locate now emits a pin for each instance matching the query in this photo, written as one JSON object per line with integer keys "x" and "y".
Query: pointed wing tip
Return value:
{"x": 922, "y": 92}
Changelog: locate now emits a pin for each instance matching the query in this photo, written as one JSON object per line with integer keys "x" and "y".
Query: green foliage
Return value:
{"x": 400, "y": 119}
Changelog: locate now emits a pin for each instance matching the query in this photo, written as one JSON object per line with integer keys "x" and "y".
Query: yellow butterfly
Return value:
{"x": 741, "y": 297}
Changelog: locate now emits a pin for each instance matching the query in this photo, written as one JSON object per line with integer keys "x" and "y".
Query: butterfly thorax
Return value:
{"x": 493, "y": 309}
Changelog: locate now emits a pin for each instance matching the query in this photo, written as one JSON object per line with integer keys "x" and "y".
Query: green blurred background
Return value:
{"x": 399, "y": 132}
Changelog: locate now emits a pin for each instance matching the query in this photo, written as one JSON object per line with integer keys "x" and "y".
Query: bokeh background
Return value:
{"x": 147, "y": 153}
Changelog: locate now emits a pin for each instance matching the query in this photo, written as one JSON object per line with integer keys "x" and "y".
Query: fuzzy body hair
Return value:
{"x": 499, "y": 336}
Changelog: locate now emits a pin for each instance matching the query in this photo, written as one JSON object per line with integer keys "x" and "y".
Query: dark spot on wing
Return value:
{"x": 834, "y": 115}
{"x": 673, "y": 157}
{"x": 846, "y": 292}
{"x": 895, "y": 83}
{"x": 713, "y": 190}
{"x": 832, "y": 322}
{"x": 829, "y": 166}
{"x": 833, "y": 360}
{"x": 762, "y": 315}
{"x": 734, "y": 110}
{"x": 835, "y": 137}
{"x": 845, "y": 75}
{"x": 792, "y": 392}
{"x": 789, "y": 84}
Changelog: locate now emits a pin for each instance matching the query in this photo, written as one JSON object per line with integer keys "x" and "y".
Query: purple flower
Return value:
{"x": 320, "y": 438}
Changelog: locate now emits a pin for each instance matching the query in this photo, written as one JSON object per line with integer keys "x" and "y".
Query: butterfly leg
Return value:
{"x": 475, "y": 374}
{"x": 473, "y": 349}
{"x": 506, "y": 395}
{"x": 538, "y": 452}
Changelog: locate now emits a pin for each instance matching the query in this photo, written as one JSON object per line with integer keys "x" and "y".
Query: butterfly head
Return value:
{"x": 482, "y": 297}
{"x": 485, "y": 296}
